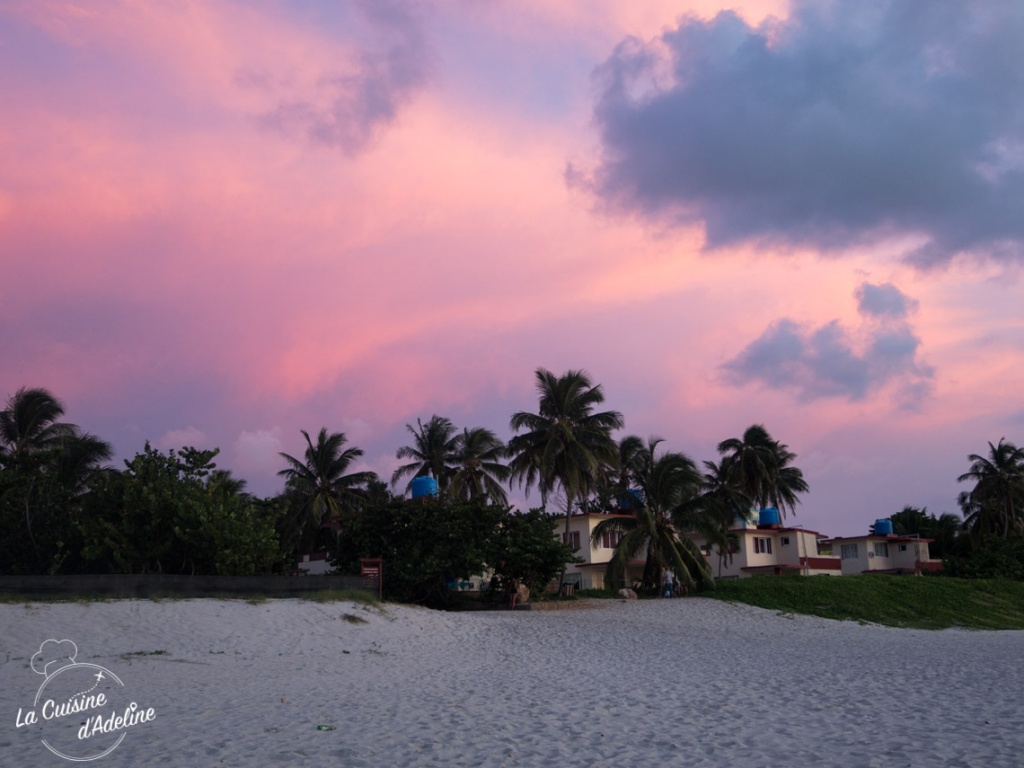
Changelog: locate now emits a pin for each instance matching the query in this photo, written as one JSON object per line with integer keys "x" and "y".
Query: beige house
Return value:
{"x": 770, "y": 549}
{"x": 762, "y": 547}
{"x": 590, "y": 573}
{"x": 765, "y": 548}
{"x": 884, "y": 553}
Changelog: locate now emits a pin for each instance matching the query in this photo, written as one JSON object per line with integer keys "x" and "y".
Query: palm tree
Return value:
{"x": 943, "y": 530}
{"x": 565, "y": 444}
{"x": 669, "y": 487}
{"x": 29, "y": 424}
{"x": 52, "y": 461}
{"x": 479, "y": 472}
{"x": 759, "y": 467}
{"x": 434, "y": 445}
{"x": 720, "y": 506}
{"x": 991, "y": 506}
{"x": 320, "y": 482}
{"x": 622, "y": 476}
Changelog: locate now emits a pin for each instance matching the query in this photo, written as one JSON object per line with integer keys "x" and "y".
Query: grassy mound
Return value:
{"x": 896, "y": 601}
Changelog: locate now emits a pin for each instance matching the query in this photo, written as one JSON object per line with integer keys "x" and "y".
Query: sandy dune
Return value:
{"x": 676, "y": 682}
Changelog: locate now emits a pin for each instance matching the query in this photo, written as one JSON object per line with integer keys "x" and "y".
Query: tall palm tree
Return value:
{"x": 434, "y": 445}
{"x": 759, "y": 467}
{"x": 479, "y": 471}
{"x": 565, "y": 444}
{"x": 669, "y": 486}
{"x": 320, "y": 482}
{"x": 991, "y": 506}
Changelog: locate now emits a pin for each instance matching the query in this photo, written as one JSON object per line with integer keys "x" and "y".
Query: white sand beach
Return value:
{"x": 690, "y": 682}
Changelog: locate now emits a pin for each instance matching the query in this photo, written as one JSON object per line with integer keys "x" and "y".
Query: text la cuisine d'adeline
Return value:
{"x": 94, "y": 724}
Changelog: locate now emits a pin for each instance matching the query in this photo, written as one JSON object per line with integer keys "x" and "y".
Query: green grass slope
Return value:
{"x": 925, "y": 602}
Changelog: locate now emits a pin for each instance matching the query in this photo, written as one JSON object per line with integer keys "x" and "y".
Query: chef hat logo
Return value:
{"x": 54, "y": 655}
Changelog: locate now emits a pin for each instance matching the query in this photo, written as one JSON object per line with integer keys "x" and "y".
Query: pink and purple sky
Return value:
{"x": 223, "y": 222}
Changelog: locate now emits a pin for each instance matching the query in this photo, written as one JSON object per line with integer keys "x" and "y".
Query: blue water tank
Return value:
{"x": 768, "y": 516}
{"x": 631, "y": 499}
{"x": 883, "y": 527}
{"x": 423, "y": 486}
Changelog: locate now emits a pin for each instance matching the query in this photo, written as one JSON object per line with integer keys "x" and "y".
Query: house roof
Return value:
{"x": 881, "y": 537}
{"x": 763, "y": 531}
{"x": 605, "y": 564}
{"x": 594, "y": 514}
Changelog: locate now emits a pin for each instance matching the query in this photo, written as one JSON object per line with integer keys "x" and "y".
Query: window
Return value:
{"x": 849, "y": 552}
{"x": 611, "y": 539}
{"x": 572, "y": 539}
{"x": 762, "y": 545}
{"x": 785, "y": 541}
{"x": 881, "y": 549}
{"x": 903, "y": 547}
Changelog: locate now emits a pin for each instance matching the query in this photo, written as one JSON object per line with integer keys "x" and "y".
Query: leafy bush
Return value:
{"x": 992, "y": 558}
{"x": 426, "y": 544}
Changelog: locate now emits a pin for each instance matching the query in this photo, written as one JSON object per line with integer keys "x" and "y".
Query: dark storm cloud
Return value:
{"x": 822, "y": 362}
{"x": 354, "y": 106}
{"x": 848, "y": 121}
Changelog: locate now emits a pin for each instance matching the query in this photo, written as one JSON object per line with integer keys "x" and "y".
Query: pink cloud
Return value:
{"x": 167, "y": 257}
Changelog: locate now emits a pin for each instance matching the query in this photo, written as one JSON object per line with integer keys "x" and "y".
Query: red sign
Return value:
{"x": 371, "y": 568}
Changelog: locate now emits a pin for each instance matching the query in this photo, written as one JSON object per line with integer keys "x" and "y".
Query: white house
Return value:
{"x": 883, "y": 552}
{"x": 769, "y": 548}
{"x": 315, "y": 564}
{"x": 765, "y": 548}
{"x": 590, "y": 573}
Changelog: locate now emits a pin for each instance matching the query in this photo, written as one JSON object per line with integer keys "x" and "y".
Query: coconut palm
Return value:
{"x": 669, "y": 487}
{"x": 29, "y": 424}
{"x": 50, "y": 464}
{"x": 998, "y": 493}
{"x": 434, "y": 445}
{"x": 943, "y": 530}
{"x": 759, "y": 467}
{"x": 479, "y": 471}
{"x": 621, "y": 479}
{"x": 565, "y": 444}
{"x": 717, "y": 511}
{"x": 320, "y": 483}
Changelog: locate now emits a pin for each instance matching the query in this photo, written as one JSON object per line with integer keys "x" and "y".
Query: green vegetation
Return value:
{"x": 64, "y": 512}
{"x": 918, "y": 602}
{"x": 565, "y": 444}
{"x": 668, "y": 484}
{"x": 429, "y": 544}
{"x": 173, "y": 513}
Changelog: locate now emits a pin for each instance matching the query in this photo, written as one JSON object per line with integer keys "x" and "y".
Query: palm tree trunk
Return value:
{"x": 565, "y": 539}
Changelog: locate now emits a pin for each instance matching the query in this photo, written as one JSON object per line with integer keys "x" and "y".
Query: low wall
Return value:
{"x": 155, "y": 584}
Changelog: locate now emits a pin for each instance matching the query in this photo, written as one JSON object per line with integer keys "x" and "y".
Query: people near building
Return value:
{"x": 668, "y": 581}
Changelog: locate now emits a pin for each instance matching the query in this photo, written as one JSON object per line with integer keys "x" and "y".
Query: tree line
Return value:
{"x": 64, "y": 510}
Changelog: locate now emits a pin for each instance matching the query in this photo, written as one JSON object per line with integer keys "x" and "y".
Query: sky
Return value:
{"x": 225, "y": 222}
